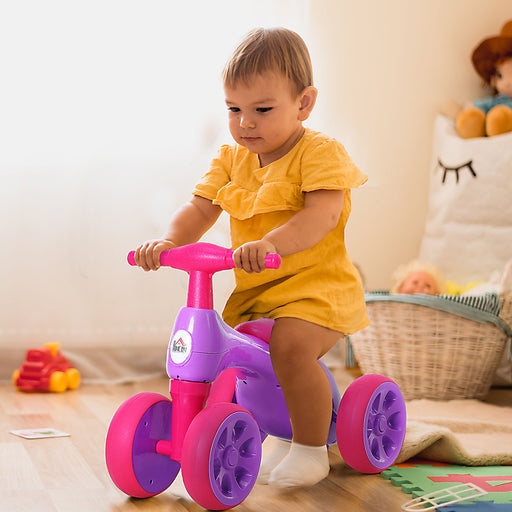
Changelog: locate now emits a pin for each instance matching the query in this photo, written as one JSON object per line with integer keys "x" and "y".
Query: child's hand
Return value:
{"x": 147, "y": 255}
{"x": 251, "y": 256}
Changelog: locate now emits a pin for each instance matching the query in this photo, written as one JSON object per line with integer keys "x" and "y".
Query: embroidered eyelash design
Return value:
{"x": 456, "y": 170}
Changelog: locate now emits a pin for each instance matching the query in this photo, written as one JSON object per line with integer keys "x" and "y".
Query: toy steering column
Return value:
{"x": 188, "y": 399}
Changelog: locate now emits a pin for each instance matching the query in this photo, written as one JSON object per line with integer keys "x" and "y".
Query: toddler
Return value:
{"x": 286, "y": 189}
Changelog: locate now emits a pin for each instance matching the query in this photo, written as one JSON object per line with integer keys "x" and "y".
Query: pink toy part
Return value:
{"x": 221, "y": 456}
{"x": 371, "y": 422}
{"x": 203, "y": 257}
{"x": 261, "y": 328}
{"x": 188, "y": 399}
{"x": 223, "y": 387}
{"x": 201, "y": 261}
{"x": 130, "y": 449}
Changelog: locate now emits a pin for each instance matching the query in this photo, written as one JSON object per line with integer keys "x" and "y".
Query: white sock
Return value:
{"x": 304, "y": 466}
{"x": 280, "y": 450}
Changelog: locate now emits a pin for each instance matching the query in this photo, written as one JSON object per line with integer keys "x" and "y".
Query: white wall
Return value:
{"x": 384, "y": 69}
{"x": 111, "y": 109}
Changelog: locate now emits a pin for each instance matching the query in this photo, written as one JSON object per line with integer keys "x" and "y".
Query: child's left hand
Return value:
{"x": 251, "y": 256}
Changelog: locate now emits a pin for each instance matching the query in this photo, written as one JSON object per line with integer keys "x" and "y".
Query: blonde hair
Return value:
{"x": 417, "y": 266}
{"x": 275, "y": 50}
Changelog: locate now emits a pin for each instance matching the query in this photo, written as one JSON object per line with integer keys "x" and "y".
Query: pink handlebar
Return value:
{"x": 203, "y": 257}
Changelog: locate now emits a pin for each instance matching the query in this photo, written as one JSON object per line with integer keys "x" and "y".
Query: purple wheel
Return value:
{"x": 221, "y": 456}
{"x": 371, "y": 423}
{"x": 132, "y": 461}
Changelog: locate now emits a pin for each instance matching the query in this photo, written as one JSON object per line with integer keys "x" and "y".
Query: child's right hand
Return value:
{"x": 147, "y": 255}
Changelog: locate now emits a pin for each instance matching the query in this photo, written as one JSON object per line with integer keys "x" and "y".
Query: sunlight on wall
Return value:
{"x": 111, "y": 112}
{"x": 119, "y": 78}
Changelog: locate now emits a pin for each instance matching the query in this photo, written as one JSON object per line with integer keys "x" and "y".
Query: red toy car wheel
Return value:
{"x": 58, "y": 382}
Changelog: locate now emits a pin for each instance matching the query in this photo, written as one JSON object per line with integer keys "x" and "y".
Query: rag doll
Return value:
{"x": 492, "y": 60}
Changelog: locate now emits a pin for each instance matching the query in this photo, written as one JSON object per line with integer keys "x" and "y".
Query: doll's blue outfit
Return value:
{"x": 486, "y": 104}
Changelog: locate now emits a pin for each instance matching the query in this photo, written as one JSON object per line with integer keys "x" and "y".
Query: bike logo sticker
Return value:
{"x": 181, "y": 345}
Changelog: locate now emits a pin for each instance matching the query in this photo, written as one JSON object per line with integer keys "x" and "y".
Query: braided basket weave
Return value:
{"x": 506, "y": 295}
{"x": 504, "y": 371}
{"x": 429, "y": 353}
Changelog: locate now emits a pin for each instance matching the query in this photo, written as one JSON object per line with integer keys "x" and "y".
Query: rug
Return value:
{"x": 464, "y": 432}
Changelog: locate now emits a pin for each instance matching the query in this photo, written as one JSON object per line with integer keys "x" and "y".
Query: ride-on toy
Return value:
{"x": 225, "y": 399}
{"x": 46, "y": 369}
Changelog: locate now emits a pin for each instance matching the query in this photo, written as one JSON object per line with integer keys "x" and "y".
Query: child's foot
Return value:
{"x": 304, "y": 466}
{"x": 279, "y": 452}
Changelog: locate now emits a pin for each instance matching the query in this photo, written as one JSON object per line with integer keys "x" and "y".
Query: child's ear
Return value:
{"x": 307, "y": 102}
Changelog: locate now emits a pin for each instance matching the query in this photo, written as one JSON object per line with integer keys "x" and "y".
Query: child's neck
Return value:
{"x": 267, "y": 159}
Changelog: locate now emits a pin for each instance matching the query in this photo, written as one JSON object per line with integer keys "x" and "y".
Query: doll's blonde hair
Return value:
{"x": 270, "y": 50}
{"x": 417, "y": 266}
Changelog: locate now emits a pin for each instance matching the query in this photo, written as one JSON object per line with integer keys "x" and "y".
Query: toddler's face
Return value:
{"x": 264, "y": 116}
{"x": 502, "y": 80}
{"x": 419, "y": 282}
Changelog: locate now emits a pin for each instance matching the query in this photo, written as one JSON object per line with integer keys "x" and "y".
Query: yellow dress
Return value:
{"x": 320, "y": 284}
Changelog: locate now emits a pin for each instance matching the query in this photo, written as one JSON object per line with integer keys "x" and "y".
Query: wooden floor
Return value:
{"x": 69, "y": 474}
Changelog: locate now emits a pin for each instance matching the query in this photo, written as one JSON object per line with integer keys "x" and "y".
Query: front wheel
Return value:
{"x": 132, "y": 460}
{"x": 370, "y": 428}
{"x": 221, "y": 456}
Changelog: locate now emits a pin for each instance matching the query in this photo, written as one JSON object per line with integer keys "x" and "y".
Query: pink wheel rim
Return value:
{"x": 130, "y": 450}
{"x": 221, "y": 456}
{"x": 371, "y": 423}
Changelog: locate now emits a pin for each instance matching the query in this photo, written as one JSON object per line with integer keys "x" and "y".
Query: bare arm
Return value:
{"x": 187, "y": 226}
{"x": 320, "y": 215}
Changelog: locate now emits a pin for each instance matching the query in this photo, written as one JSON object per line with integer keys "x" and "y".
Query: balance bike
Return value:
{"x": 225, "y": 399}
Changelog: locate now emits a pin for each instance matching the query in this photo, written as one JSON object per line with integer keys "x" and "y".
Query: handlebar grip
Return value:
{"x": 272, "y": 261}
{"x": 165, "y": 258}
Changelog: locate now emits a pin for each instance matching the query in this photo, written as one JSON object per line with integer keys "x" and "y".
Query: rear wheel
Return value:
{"x": 371, "y": 423}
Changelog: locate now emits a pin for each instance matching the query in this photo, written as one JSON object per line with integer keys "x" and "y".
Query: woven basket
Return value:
{"x": 506, "y": 295}
{"x": 504, "y": 371}
{"x": 429, "y": 353}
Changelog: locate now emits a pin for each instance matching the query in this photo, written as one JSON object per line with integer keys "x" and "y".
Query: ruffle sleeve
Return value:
{"x": 328, "y": 166}
{"x": 217, "y": 176}
{"x": 243, "y": 190}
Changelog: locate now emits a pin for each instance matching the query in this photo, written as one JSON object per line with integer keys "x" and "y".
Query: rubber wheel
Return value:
{"x": 73, "y": 376}
{"x": 370, "y": 428}
{"x": 221, "y": 456}
{"x": 58, "y": 382}
{"x": 132, "y": 461}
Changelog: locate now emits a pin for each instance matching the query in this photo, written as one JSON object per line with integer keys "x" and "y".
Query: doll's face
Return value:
{"x": 418, "y": 282}
{"x": 502, "y": 79}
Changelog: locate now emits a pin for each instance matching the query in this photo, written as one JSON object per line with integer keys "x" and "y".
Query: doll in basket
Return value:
{"x": 418, "y": 277}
